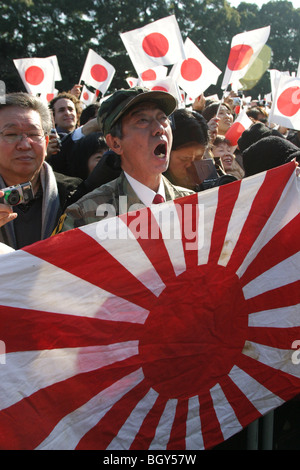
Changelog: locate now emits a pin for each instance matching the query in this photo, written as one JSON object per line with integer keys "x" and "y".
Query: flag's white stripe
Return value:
{"x": 286, "y": 209}
{"x": 260, "y": 397}
{"x": 71, "y": 429}
{"x": 280, "y": 359}
{"x": 123, "y": 246}
{"x": 285, "y": 317}
{"x": 26, "y": 372}
{"x": 166, "y": 216}
{"x": 227, "y": 418}
{"x": 280, "y": 275}
{"x": 209, "y": 202}
{"x": 242, "y": 207}
{"x": 193, "y": 438}
{"x": 129, "y": 430}
{"x": 29, "y": 281}
{"x": 163, "y": 430}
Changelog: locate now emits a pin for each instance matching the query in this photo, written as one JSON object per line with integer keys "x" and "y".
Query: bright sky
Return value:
{"x": 259, "y": 3}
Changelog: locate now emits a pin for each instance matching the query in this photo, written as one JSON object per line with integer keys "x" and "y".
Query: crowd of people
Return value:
{"x": 135, "y": 143}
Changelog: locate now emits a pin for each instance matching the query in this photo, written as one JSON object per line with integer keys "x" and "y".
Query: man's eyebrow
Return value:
{"x": 11, "y": 125}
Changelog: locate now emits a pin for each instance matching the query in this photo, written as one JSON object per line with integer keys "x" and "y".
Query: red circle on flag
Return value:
{"x": 49, "y": 96}
{"x": 148, "y": 75}
{"x": 288, "y": 102}
{"x": 239, "y": 56}
{"x": 155, "y": 45}
{"x": 99, "y": 73}
{"x": 34, "y": 75}
{"x": 159, "y": 88}
{"x": 193, "y": 336}
{"x": 85, "y": 96}
{"x": 191, "y": 69}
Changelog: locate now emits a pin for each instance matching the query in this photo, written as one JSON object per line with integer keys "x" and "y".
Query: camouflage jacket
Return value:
{"x": 115, "y": 197}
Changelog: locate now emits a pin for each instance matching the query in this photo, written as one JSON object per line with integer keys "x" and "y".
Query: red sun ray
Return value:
{"x": 151, "y": 241}
{"x": 146, "y": 433}
{"x": 54, "y": 402}
{"x": 89, "y": 265}
{"x": 281, "y": 338}
{"x": 210, "y": 426}
{"x": 100, "y": 436}
{"x": 278, "y": 382}
{"x": 244, "y": 410}
{"x": 178, "y": 432}
{"x": 188, "y": 213}
{"x": 46, "y": 330}
{"x": 276, "y": 298}
{"x": 227, "y": 196}
{"x": 279, "y": 248}
{"x": 268, "y": 196}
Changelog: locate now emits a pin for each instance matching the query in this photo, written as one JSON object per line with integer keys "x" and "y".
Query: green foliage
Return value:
{"x": 68, "y": 28}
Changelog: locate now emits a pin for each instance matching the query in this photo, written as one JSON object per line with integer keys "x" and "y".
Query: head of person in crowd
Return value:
{"x": 222, "y": 152}
{"x": 86, "y": 154}
{"x": 258, "y": 114}
{"x": 268, "y": 152}
{"x": 254, "y": 133}
{"x": 25, "y": 124}
{"x": 136, "y": 126}
{"x": 222, "y": 112}
{"x": 88, "y": 113}
{"x": 190, "y": 138}
{"x": 66, "y": 109}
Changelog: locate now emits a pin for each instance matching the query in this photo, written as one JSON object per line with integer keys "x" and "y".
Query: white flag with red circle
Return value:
{"x": 158, "y": 43}
{"x": 196, "y": 73}
{"x": 87, "y": 97}
{"x": 37, "y": 74}
{"x": 241, "y": 123}
{"x": 155, "y": 73}
{"x": 285, "y": 109}
{"x": 111, "y": 344}
{"x": 97, "y": 72}
{"x": 245, "y": 47}
{"x": 164, "y": 84}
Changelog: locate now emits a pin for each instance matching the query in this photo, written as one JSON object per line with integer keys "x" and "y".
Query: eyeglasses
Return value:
{"x": 13, "y": 137}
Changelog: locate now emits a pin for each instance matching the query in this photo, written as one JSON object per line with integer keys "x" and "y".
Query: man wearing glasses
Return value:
{"x": 25, "y": 125}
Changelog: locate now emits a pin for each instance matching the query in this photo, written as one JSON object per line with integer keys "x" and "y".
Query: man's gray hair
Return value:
{"x": 27, "y": 101}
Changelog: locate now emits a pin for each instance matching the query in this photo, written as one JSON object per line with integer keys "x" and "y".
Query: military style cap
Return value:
{"x": 119, "y": 102}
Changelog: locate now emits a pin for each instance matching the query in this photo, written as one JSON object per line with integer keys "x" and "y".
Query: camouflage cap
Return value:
{"x": 119, "y": 102}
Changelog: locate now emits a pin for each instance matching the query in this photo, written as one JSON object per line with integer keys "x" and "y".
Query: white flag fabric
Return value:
{"x": 97, "y": 72}
{"x": 245, "y": 47}
{"x": 241, "y": 123}
{"x": 37, "y": 74}
{"x": 285, "y": 109}
{"x": 158, "y": 43}
{"x": 196, "y": 73}
{"x": 164, "y": 84}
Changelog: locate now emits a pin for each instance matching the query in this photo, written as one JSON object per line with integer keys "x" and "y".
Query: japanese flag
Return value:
{"x": 97, "y": 72}
{"x": 285, "y": 109}
{"x": 165, "y": 84}
{"x": 245, "y": 47}
{"x": 235, "y": 131}
{"x": 196, "y": 73}
{"x": 87, "y": 97}
{"x": 37, "y": 74}
{"x": 158, "y": 43}
{"x": 132, "y": 81}
{"x": 154, "y": 73}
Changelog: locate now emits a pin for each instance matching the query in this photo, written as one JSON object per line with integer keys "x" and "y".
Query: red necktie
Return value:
{"x": 158, "y": 199}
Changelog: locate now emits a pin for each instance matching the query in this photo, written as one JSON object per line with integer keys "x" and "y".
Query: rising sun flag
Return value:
{"x": 177, "y": 341}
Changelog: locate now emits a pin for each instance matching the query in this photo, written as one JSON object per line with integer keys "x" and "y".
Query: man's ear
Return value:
{"x": 114, "y": 143}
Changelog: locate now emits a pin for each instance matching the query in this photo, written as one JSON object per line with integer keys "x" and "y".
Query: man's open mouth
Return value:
{"x": 161, "y": 150}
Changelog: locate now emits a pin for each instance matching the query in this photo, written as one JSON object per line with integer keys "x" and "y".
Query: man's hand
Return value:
{"x": 6, "y": 212}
